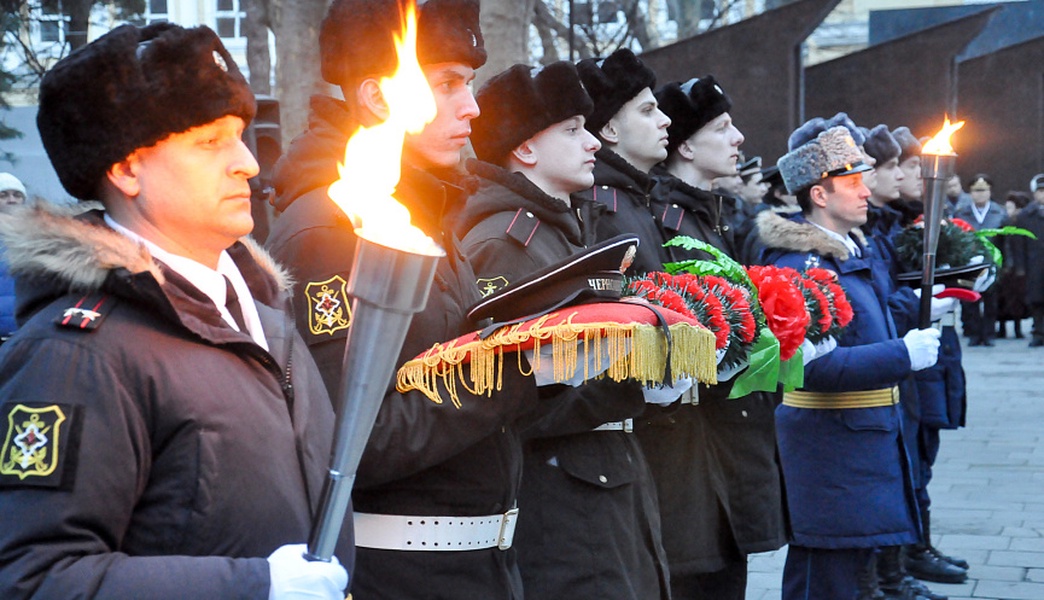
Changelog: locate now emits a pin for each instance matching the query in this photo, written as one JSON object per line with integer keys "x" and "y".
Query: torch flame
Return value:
{"x": 940, "y": 144}
{"x": 372, "y": 156}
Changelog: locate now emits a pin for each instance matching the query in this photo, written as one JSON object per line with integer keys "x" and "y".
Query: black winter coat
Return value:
{"x": 1028, "y": 255}
{"x": 188, "y": 453}
{"x": 621, "y": 202}
{"x": 422, "y": 458}
{"x": 715, "y": 463}
{"x": 588, "y": 524}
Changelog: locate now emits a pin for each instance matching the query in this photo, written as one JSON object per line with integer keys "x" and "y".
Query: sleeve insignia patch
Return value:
{"x": 328, "y": 308}
{"x": 37, "y": 439}
{"x": 488, "y": 285}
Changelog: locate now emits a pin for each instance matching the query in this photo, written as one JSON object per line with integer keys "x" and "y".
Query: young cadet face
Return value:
{"x": 913, "y": 183}
{"x": 192, "y": 196}
{"x": 889, "y": 180}
{"x": 564, "y": 158}
{"x": 440, "y": 143}
{"x": 843, "y": 207}
{"x": 715, "y": 147}
{"x": 641, "y": 128}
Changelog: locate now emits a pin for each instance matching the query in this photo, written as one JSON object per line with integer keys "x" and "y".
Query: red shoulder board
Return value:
{"x": 87, "y": 313}
{"x": 522, "y": 227}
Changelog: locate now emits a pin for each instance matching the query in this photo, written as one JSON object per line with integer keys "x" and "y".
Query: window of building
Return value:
{"x": 228, "y": 19}
{"x": 52, "y": 22}
{"x": 157, "y": 12}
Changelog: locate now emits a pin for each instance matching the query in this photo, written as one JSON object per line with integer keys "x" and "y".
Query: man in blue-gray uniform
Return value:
{"x": 847, "y": 473}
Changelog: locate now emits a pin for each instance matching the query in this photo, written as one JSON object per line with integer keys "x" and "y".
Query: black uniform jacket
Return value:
{"x": 175, "y": 453}
{"x": 422, "y": 458}
{"x": 715, "y": 463}
{"x": 622, "y": 199}
{"x": 588, "y": 526}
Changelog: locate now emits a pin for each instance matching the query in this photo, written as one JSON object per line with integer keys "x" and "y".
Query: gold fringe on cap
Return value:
{"x": 634, "y": 351}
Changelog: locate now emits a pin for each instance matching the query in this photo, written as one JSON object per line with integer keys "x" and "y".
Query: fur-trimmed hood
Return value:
{"x": 798, "y": 235}
{"x": 64, "y": 249}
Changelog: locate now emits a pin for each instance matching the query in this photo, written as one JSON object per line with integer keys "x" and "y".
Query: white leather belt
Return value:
{"x": 433, "y": 534}
{"x": 948, "y": 320}
{"x": 627, "y": 425}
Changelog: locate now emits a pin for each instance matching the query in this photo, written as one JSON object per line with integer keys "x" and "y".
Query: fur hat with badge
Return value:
{"x": 523, "y": 101}
{"x": 817, "y": 125}
{"x": 613, "y": 82}
{"x": 832, "y": 153}
{"x": 356, "y": 36}
{"x": 129, "y": 89}
{"x": 909, "y": 146}
{"x": 881, "y": 145}
{"x": 691, "y": 105}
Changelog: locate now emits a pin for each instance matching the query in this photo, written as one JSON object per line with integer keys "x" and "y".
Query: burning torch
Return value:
{"x": 937, "y": 163}
{"x": 391, "y": 275}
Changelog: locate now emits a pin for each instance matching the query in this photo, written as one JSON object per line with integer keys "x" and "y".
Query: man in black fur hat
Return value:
{"x": 425, "y": 464}
{"x": 713, "y": 459}
{"x": 533, "y": 153}
{"x": 156, "y": 443}
{"x": 633, "y": 132}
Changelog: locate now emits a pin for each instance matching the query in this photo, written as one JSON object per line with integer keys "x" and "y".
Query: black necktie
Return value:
{"x": 232, "y": 304}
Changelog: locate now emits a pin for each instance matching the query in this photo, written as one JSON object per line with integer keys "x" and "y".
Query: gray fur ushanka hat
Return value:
{"x": 832, "y": 153}
{"x": 130, "y": 89}
{"x": 909, "y": 146}
{"x": 881, "y": 145}
{"x": 817, "y": 125}
{"x": 523, "y": 101}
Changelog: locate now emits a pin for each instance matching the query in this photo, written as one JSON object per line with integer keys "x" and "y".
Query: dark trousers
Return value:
{"x": 980, "y": 318}
{"x": 1037, "y": 311}
{"x": 729, "y": 583}
{"x": 820, "y": 574}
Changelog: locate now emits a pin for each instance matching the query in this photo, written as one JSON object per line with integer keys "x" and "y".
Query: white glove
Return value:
{"x": 662, "y": 395}
{"x": 296, "y": 578}
{"x": 810, "y": 351}
{"x": 544, "y": 365}
{"x": 923, "y": 347}
{"x": 940, "y": 306}
{"x": 727, "y": 373}
{"x": 985, "y": 280}
{"x": 826, "y": 346}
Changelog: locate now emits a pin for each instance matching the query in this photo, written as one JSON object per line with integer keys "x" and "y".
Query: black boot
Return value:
{"x": 926, "y": 521}
{"x": 895, "y": 583}
{"x": 868, "y": 589}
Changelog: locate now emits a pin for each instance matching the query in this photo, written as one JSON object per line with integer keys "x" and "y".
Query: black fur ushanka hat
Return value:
{"x": 129, "y": 89}
{"x": 356, "y": 36}
{"x": 691, "y": 105}
{"x": 521, "y": 102}
{"x": 613, "y": 82}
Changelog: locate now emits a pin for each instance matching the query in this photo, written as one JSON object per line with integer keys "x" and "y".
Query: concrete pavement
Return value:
{"x": 988, "y": 487}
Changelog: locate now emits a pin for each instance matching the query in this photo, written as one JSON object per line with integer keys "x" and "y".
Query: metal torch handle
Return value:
{"x": 388, "y": 287}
